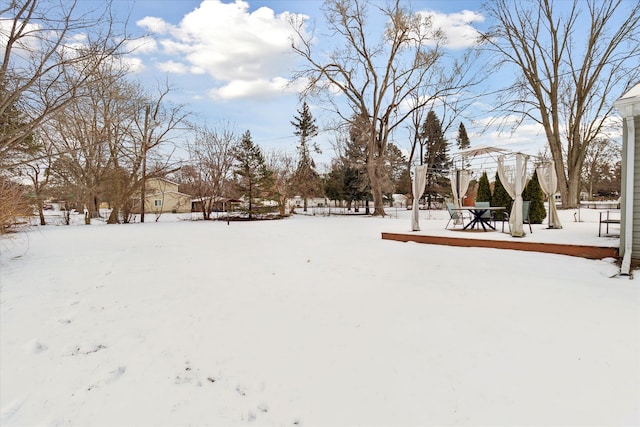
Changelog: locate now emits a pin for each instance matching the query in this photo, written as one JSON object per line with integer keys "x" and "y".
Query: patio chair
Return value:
{"x": 487, "y": 215}
{"x": 453, "y": 215}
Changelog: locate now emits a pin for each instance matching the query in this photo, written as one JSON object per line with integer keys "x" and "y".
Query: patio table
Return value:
{"x": 476, "y": 216}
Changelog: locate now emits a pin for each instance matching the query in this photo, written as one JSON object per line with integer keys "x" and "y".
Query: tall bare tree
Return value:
{"x": 283, "y": 167}
{"x": 211, "y": 157}
{"x": 573, "y": 60}
{"x": 44, "y": 64}
{"x": 377, "y": 69}
{"x": 601, "y": 163}
{"x": 106, "y": 135}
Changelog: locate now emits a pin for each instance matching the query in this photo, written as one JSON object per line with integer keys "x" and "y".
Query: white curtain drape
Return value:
{"x": 549, "y": 184}
{"x": 514, "y": 180}
{"x": 419, "y": 182}
{"x": 460, "y": 179}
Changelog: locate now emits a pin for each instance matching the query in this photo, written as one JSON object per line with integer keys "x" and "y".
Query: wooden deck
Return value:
{"x": 591, "y": 252}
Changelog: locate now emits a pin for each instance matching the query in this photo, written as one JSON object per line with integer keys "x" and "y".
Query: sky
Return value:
{"x": 180, "y": 322}
{"x": 230, "y": 62}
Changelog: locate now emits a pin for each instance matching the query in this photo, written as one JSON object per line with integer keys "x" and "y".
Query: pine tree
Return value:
{"x": 306, "y": 179}
{"x": 334, "y": 182}
{"x": 533, "y": 193}
{"x": 436, "y": 156}
{"x": 500, "y": 197}
{"x": 463, "y": 139}
{"x": 253, "y": 178}
{"x": 484, "y": 189}
{"x": 395, "y": 167}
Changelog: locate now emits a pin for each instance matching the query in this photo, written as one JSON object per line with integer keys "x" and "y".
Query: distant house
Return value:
{"x": 629, "y": 108}
{"x": 162, "y": 196}
{"x": 312, "y": 202}
{"x": 214, "y": 204}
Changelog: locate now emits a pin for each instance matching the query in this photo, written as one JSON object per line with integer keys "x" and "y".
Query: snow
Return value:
{"x": 312, "y": 321}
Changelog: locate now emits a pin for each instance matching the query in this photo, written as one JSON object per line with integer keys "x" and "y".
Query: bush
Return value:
{"x": 484, "y": 189}
{"x": 14, "y": 205}
{"x": 533, "y": 193}
{"x": 500, "y": 196}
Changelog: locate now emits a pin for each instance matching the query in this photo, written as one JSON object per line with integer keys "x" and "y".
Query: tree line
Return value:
{"x": 76, "y": 127}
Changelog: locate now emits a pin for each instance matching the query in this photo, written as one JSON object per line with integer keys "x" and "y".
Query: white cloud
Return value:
{"x": 457, "y": 27}
{"x": 173, "y": 67}
{"x": 155, "y": 25}
{"x": 133, "y": 64}
{"x": 247, "y": 52}
{"x": 142, "y": 45}
{"x": 259, "y": 88}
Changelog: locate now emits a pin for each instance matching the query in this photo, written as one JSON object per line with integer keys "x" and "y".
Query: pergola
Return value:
{"x": 512, "y": 170}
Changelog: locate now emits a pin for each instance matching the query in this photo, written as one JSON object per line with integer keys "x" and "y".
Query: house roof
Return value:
{"x": 634, "y": 92}
{"x": 629, "y": 104}
{"x": 159, "y": 178}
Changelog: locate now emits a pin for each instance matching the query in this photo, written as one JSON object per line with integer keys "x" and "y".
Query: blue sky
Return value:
{"x": 228, "y": 61}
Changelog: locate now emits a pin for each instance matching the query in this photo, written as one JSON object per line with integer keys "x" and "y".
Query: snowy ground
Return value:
{"x": 312, "y": 321}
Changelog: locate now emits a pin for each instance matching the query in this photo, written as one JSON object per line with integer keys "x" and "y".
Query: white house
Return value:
{"x": 629, "y": 108}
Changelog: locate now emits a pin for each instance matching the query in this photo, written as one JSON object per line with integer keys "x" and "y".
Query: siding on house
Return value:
{"x": 629, "y": 108}
{"x": 635, "y": 250}
{"x": 635, "y": 165}
{"x": 163, "y": 196}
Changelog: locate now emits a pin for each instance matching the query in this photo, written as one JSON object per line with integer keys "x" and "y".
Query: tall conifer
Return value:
{"x": 306, "y": 179}
{"x": 500, "y": 197}
{"x": 484, "y": 189}
{"x": 533, "y": 193}
{"x": 463, "y": 139}
{"x": 253, "y": 177}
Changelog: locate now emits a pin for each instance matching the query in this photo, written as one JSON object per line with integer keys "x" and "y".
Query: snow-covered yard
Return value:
{"x": 312, "y": 321}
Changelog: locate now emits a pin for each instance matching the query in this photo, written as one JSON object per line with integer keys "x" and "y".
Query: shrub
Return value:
{"x": 533, "y": 193}
{"x": 500, "y": 197}
{"x": 14, "y": 205}
{"x": 484, "y": 189}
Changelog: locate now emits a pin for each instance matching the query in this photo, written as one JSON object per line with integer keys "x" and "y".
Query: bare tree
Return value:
{"x": 37, "y": 165}
{"x": 15, "y": 206}
{"x": 377, "y": 77}
{"x": 601, "y": 162}
{"x": 283, "y": 167}
{"x": 211, "y": 162}
{"x": 572, "y": 64}
{"x": 106, "y": 135}
{"x": 88, "y": 134}
{"x": 155, "y": 131}
{"x": 44, "y": 65}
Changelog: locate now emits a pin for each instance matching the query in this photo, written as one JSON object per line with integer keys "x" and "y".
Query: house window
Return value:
{"x": 157, "y": 203}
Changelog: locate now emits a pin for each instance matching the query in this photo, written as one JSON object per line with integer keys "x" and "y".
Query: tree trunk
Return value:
{"x": 113, "y": 216}
{"x": 41, "y": 214}
{"x": 573, "y": 193}
{"x": 376, "y": 185}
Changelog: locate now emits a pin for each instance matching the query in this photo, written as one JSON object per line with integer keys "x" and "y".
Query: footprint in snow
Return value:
{"x": 109, "y": 378}
{"x": 34, "y": 346}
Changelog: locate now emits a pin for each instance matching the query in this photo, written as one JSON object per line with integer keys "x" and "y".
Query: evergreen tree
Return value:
{"x": 463, "y": 139}
{"x": 500, "y": 197}
{"x": 403, "y": 185}
{"x": 395, "y": 169}
{"x": 436, "y": 156}
{"x": 306, "y": 179}
{"x": 484, "y": 189}
{"x": 334, "y": 182}
{"x": 253, "y": 178}
{"x": 534, "y": 194}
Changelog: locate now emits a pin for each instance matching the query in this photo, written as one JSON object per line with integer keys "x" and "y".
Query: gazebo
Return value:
{"x": 512, "y": 170}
